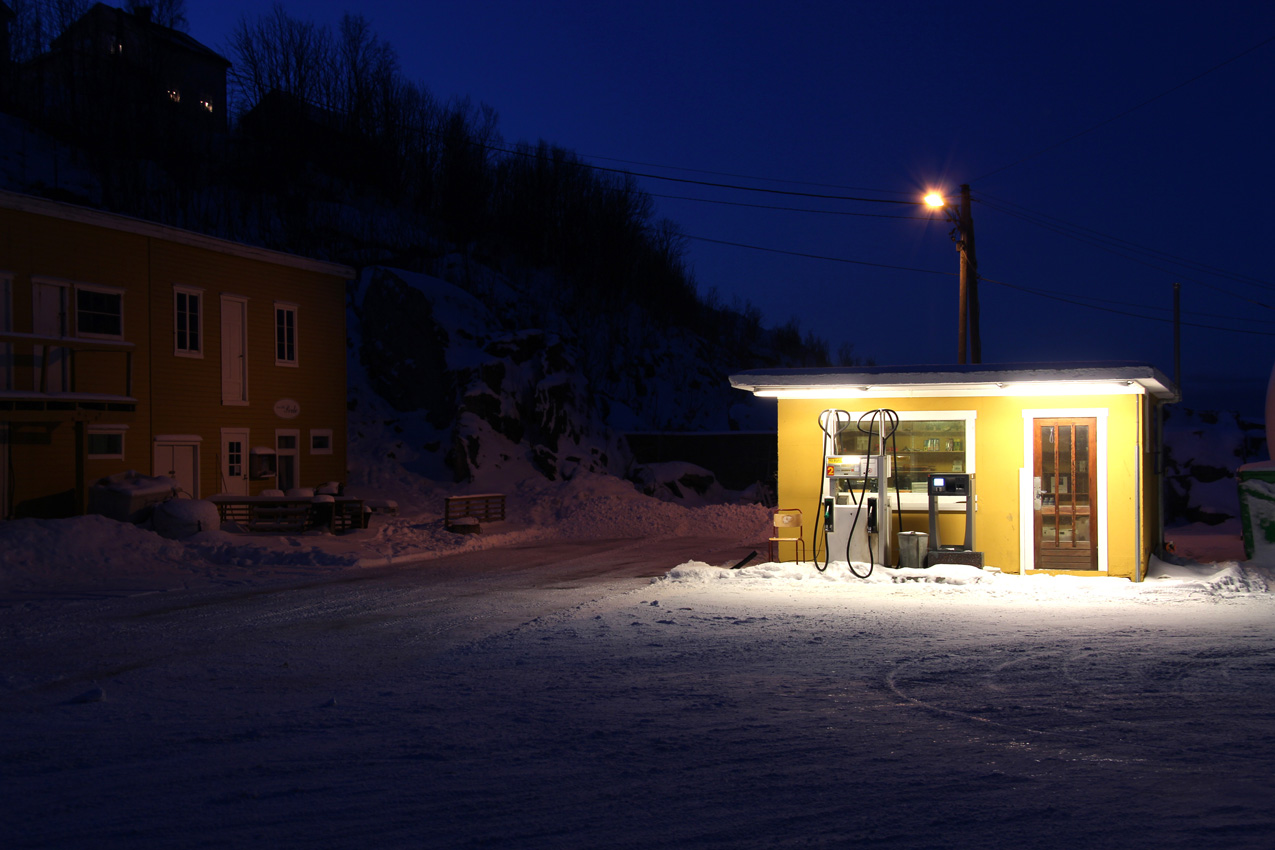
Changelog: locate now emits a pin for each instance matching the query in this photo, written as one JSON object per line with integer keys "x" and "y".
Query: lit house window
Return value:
{"x": 99, "y": 312}
{"x": 320, "y": 441}
{"x": 285, "y": 334}
{"x": 105, "y": 442}
{"x": 188, "y": 320}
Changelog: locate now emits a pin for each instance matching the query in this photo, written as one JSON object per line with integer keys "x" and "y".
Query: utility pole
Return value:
{"x": 968, "y": 298}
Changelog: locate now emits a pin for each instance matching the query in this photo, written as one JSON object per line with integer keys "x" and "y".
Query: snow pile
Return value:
{"x": 1164, "y": 581}
{"x": 92, "y": 548}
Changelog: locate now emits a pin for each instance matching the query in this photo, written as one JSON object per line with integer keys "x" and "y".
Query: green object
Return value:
{"x": 1257, "y": 509}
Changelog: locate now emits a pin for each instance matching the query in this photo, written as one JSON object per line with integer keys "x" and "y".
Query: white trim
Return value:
{"x": 241, "y": 436}
{"x": 225, "y": 298}
{"x": 178, "y": 438}
{"x": 198, "y": 292}
{"x": 101, "y": 288}
{"x": 295, "y": 310}
{"x": 921, "y": 501}
{"x": 321, "y": 432}
{"x": 1027, "y": 545}
{"x": 294, "y": 453}
{"x": 83, "y": 215}
{"x": 106, "y": 428}
{"x": 174, "y": 441}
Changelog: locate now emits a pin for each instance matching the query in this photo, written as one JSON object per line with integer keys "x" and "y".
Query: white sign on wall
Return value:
{"x": 286, "y": 408}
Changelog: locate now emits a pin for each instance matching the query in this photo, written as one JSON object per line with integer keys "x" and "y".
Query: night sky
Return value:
{"x": 1112, "y": 149}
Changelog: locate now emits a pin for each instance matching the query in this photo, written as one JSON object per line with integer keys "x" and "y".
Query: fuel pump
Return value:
{"x": 854, "y": 505}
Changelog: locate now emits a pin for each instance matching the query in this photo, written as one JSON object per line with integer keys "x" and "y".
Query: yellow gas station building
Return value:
{"x": 1064, "y": 460}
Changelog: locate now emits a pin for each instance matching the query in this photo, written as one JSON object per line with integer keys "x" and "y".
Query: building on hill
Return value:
{"x": 1065, "y": 461}
{"x": 129, "y": 345}
{"x": 117, "y": 78}
{"x": 6, "y": 54}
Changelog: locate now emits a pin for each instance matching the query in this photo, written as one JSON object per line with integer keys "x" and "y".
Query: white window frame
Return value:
{"x": 921, "y": 501}
{"x": 188, "y": 291}
{"x": 74, "y": 308}
{"x": 295, "y": 310}
{"x": 320, "y": 432}
{"x": 121, "y": 430}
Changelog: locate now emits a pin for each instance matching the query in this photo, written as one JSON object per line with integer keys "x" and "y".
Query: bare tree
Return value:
{"x": 167, "y": 13}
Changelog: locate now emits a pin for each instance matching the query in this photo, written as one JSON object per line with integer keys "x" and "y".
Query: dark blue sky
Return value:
{"x": 882, "y": 100}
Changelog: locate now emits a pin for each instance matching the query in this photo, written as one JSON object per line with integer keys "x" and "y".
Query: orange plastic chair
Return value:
{"x": 788, "y": 518}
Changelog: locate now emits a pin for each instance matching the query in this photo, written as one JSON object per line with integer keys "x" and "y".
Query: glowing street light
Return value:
{"x": 963, "y": 236}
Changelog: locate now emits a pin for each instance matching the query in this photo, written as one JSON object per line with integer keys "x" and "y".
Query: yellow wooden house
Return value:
{"x": 1064, "y": 459}
{"x": 129, "y": 345}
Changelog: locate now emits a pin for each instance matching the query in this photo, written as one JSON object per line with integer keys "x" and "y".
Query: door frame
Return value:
{"x": 1026, "y": 524}
{"x": 178, "y": 441}
{"x": 228, "y": 354}
{"x": 223, "y": 473}
{"x": 294, "y": 453}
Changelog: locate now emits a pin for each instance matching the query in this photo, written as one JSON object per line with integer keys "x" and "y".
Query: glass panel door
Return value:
{"x": 1064, "y": 501}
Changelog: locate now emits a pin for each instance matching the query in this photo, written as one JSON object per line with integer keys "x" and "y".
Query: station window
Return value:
{"x": 926, "y": 442}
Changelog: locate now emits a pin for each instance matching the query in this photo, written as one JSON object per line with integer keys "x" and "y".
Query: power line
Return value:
{"x": 1065, "y": 299}
{"x": 788, "y": 209}
{"x": 1074, "y": 300}
{"x": 815, "y": 256}
{"x": 1113, "y": 250}
{"x": 1128, "y": 111}
{"x": 1024, "y": 213}
{"x": 686, "y": 180}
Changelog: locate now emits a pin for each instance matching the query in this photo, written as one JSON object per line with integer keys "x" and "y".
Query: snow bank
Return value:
{"x": 1164, "y": 581}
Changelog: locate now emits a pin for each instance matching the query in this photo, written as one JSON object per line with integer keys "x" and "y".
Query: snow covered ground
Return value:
{"x": 598, "y": 679}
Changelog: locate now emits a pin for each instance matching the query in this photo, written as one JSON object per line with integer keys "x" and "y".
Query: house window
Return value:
{"x": 285, "y": 334}
{"x": 925, "y": 442}
{"x": 105, "y": 442}
{"x": 188, "y": 322}
{"x": 320, "y": 441}
{"x": 99, "y": 311}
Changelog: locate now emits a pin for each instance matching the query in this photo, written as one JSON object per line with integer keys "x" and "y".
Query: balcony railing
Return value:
{"x": 47, "y": 371}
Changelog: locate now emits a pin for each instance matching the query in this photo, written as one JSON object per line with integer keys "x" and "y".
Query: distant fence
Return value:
{"x": 738, "y": 459}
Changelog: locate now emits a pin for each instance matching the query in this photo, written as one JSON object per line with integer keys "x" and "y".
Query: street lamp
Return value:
{"x": 963, "y": 236}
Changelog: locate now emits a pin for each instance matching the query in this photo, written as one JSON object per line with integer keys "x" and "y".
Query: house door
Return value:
{"x": 180, "y": 462}
{"x": 234, "y": 461}
{"x": 49, "y": 318}
{"x": 1064, "y": 493}
{"x": 234, "y": 350}
{"x": 288, "y": 475}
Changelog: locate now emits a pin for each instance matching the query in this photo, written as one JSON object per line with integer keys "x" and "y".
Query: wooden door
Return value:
{"x": 180, "y": 462}
{"x": 1065, "y": 498}
{"x": 234, "y": 350}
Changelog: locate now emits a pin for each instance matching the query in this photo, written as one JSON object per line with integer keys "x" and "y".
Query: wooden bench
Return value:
{"x": 483, "y": 507}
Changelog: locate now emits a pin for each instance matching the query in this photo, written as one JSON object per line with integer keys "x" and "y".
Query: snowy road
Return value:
{"x": 555, "y": 698}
